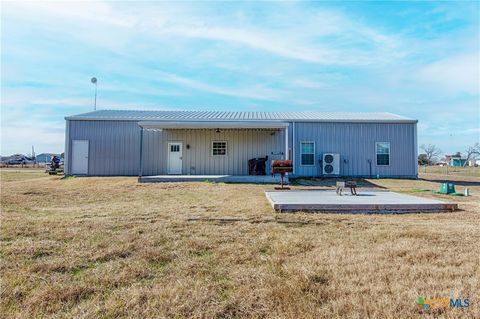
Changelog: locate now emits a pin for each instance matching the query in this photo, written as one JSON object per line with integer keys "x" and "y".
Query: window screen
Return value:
{"x": 219, "y": 148}
{"x": 383, "y": 153}
{"x": 307, "y": 153}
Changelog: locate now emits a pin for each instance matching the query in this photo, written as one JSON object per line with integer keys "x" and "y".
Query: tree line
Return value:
{"x": 431, "y": 154}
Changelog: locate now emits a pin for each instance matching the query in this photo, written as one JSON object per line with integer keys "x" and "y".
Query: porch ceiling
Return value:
{"x": 213, "y": 125}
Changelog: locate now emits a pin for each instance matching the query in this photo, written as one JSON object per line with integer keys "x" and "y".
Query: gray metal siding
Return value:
{"x": 114, "y": 147}
{"x": 355, "y": 142}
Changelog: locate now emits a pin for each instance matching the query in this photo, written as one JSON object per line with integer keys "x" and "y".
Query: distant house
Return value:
{"x": 455, "y": 160}
{"x": 121, "y": 142}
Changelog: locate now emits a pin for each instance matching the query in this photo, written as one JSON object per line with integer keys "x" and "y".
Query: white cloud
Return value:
{"x": 96, "y": 22}
{"x": 459, "y": 73}
{"x": 91, "y": 22}
{"x": 272, "y": 43}
{"x": 258, "y": 92}
{"x": 472, "y": 130}
{"x": 308, "y": 84}
{"x": 86, "y": 12}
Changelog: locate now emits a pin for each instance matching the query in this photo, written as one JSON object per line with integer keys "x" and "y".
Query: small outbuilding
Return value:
{"x": 121, "y": 142}
{"x": 457, "y": 160}
{"x": 45, "y": 157}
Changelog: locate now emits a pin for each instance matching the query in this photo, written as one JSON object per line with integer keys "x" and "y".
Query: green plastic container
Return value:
{"x": 447, "y": 188}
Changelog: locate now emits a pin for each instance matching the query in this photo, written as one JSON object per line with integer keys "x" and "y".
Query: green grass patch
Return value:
{"x": 40, "y": 254}
{"x": 159, "y": 265}
{"x": 77, "y": 271}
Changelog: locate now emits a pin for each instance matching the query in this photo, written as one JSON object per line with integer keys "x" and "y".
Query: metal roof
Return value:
{"x": 225, "y": 116}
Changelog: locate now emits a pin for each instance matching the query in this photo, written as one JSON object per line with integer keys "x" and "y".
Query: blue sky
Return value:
{"x": 418, "y": 59}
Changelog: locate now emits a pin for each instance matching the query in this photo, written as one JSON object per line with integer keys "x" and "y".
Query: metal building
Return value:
{"x": 117, "y": 142}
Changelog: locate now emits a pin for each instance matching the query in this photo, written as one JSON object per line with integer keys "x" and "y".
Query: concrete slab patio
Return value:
{"x": 266, "y": 179}
{"x": 365, "y": 202}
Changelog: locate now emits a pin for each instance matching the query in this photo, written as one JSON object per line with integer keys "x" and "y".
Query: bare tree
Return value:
{"x": 431, "y": 151}
{"x": 472, "y": 152}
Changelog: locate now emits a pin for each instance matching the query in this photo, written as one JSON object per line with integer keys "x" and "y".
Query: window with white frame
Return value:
{"x": 307, "y": 153}
{"x": 219, "y": 148}
{"x": 382, "y": 150}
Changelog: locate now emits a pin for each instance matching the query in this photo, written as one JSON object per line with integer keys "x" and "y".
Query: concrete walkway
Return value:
{"x": 366, "y": 202}
{"x": 267, "y": 179}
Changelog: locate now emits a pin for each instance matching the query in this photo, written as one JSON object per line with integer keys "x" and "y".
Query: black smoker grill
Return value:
{"x": 256, "y": 166}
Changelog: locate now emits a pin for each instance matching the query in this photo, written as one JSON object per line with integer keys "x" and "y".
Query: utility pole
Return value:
{"x": 94, "y": 81}
{"x": 33, "y": 156}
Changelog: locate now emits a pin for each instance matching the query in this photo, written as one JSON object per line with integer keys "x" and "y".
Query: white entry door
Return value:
{"x": 175, "y": 158}
{"x": 79, "y": 157}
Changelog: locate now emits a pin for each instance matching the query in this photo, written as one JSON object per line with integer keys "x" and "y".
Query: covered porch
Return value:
{"x": 213, "y": 150}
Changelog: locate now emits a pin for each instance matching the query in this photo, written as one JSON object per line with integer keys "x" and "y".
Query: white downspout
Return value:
{"x": 286, "y": 142}
{"x": 293, "y": 147}
{"x": 66, "y": 157}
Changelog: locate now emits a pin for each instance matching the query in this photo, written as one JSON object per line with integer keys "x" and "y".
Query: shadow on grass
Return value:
{"x": 331, "y": 182}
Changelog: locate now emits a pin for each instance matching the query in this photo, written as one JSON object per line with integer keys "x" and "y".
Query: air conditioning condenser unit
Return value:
{"x": 331, "y": 164}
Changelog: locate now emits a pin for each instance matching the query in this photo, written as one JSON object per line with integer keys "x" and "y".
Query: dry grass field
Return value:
{"x": 450, "y": 170}
{"x": 111, "y": 247}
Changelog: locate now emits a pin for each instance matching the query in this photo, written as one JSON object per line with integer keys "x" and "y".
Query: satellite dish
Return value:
{"x": 94, "y": 80}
